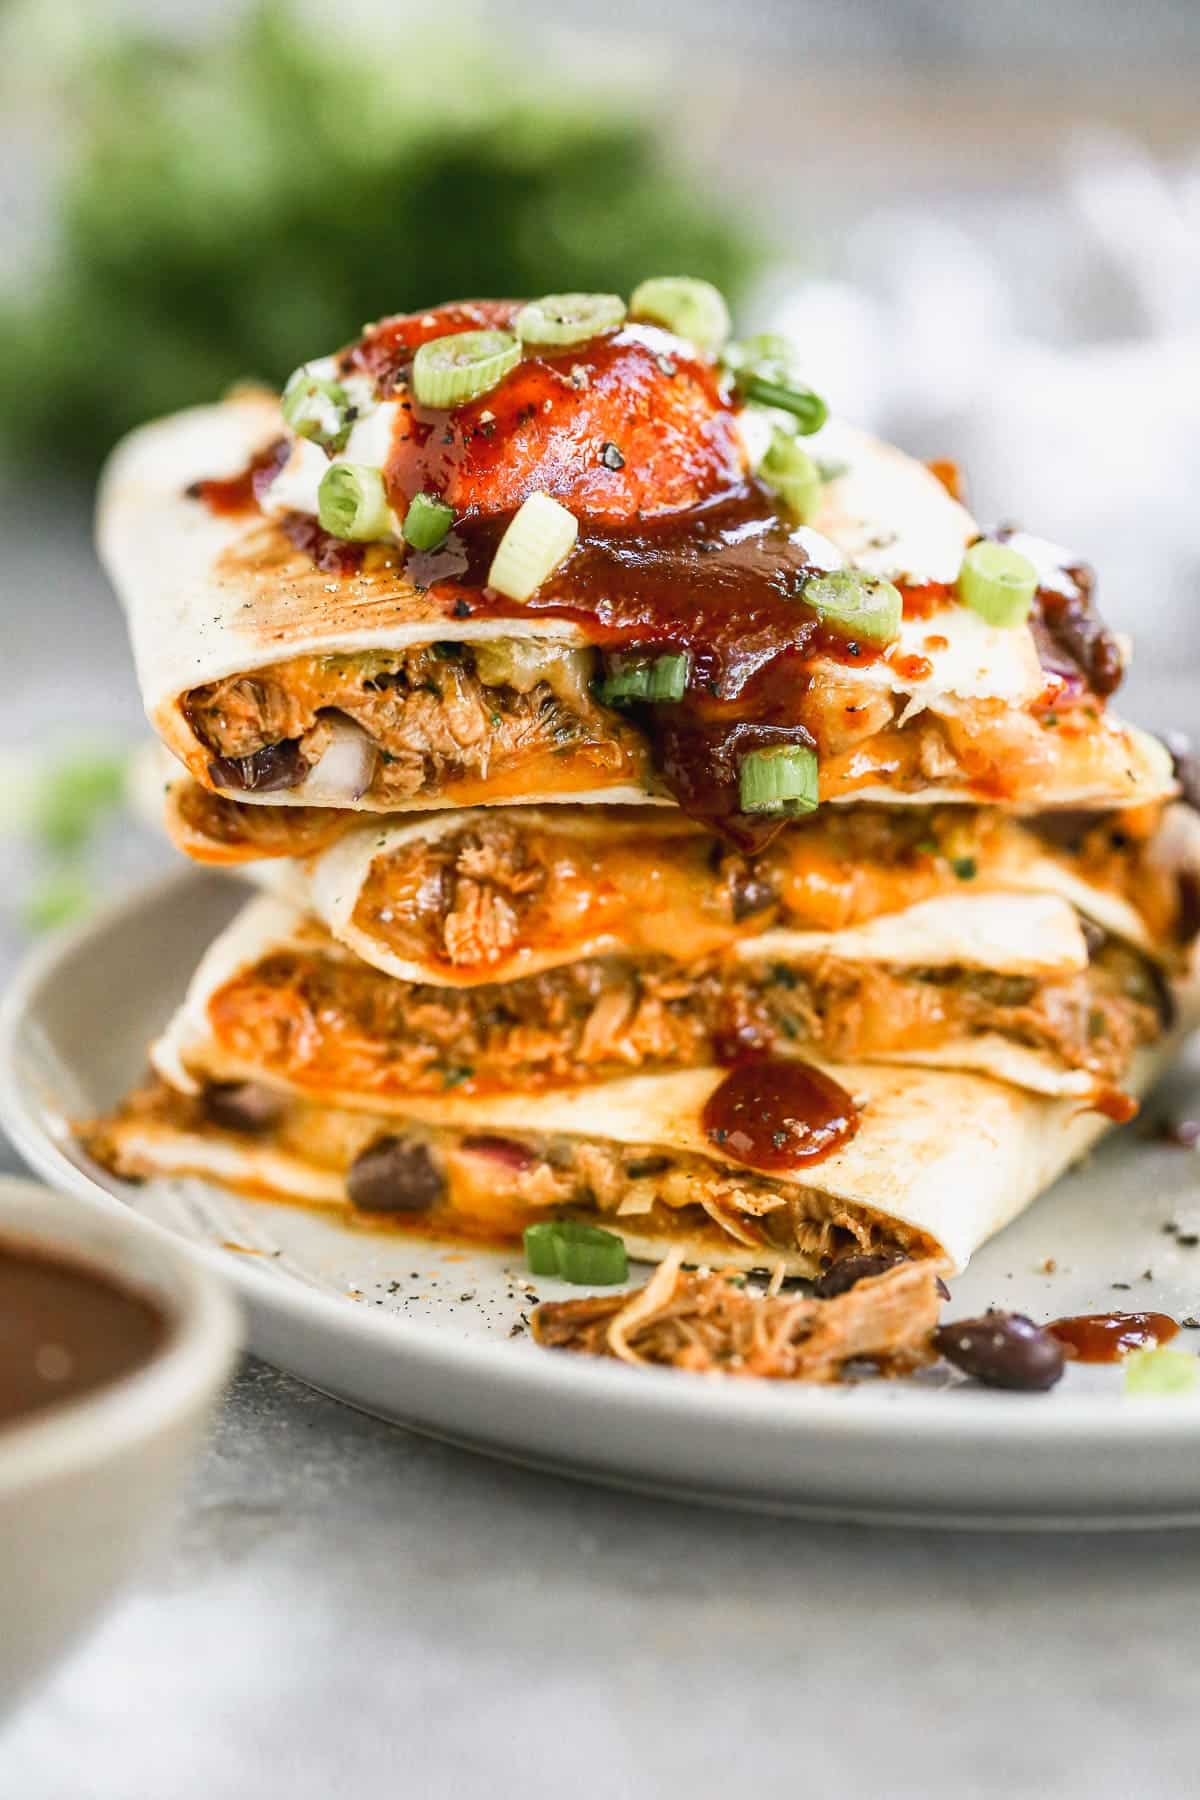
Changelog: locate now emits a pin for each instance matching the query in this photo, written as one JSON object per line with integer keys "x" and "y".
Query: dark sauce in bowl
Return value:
{"x": 66, "y": 1330}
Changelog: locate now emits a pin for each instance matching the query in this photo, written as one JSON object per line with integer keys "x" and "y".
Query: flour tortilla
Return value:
{"x": 210, "y": 596}
{"x": 1010, "y": 934}
{"x": 941, "y": 1160}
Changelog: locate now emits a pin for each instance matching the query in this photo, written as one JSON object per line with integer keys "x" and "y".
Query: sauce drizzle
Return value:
{"x": 241, "y": 492}
{"x": 778, "y": 1114}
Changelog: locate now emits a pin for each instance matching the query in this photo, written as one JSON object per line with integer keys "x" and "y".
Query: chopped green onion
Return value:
{"x": 591, "y": 1257}
{"x": 690, "y": 308}
{"x": 352, "y": 503}
{"x": 998, "y": 583}
{"x": 779, "y": 780}
{"x": 540, "y": 534}
{"x": 791, "y": 473}
{"x": 449, "y": 371}
{"x": 541, "y": 1247}
{"x": 808, "y": 409}
{"x": 650, "y": 678}
{"x": 1160, "y": 1372}
{"x": 856, "y": 605}
{"x": 427, "y": 522}
{"x": 582, "y": 1254}
{"x": 765, "y": 347}
{"x": 764, "y": 374}
{"x": 317, "y": 409}
{"x": 569, "y": 318}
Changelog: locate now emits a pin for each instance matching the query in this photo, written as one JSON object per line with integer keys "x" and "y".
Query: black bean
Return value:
{"x": 1189, "y": 904}
{"x": 748, "y": 892}
{"x": 1004, "y": 1350}
{"x": 644, "y": 1166}
{"x": 1065, "y": 828}
{"x": 1164, "y": 1000}
{"x": 274, "y": 766}
{"x": 848, "y": 1271}
{"x": 1094, "y": 936}
{"x": 395, "y": 1176}
{"x": 245, "y": 1106}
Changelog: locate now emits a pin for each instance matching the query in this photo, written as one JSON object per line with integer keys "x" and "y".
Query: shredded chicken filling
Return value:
{"x": 720, "y": 1324}
{"x": 439, "y": 716}
{"x": 500, "y": 886}
{"x": 329, "y": 1023}
{"x": 209, "y": 825}
{"x": 503, "y": 886}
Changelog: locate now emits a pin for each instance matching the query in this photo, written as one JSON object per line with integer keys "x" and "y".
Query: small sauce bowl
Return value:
{"x": 100, "y": 1423}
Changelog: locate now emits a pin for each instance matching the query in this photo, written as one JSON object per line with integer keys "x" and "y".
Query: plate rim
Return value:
{"x": 862, "y": 1412}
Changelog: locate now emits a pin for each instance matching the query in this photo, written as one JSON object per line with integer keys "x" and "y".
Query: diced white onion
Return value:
{"x": 820, "y": 550}
{"x": 295, "y": 487}
{"x": 541, "y": 535}
{"x": 346, "y": 770}
{"x": 370, "y": 439}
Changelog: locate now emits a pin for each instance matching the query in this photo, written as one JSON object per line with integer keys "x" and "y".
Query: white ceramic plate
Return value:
{"x": 431, "y": 1336}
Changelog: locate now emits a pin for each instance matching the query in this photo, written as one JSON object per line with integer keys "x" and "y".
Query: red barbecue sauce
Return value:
{"x": 332, "y": 554}
{"x": 240, "y": 493}
{"x": 1112, "y": 1104}
{"x": 1105, "y": 1337}
{"x": 912, "y": 668}
{"x": 776, "y": 1114}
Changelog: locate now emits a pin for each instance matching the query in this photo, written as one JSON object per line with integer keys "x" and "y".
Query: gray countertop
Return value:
{"x": 346, "y": 1607}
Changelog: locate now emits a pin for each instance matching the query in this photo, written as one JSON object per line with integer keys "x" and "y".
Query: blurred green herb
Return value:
{"x": 235, "y": 206}
{"x": 73, "y": 798}
{"x": 59, "y": 808}
{"x": 1160, "y": 1372}
{"x": 60, "y": 898}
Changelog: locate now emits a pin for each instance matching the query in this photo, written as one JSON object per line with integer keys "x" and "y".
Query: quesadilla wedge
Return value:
{"x": 494, "y": 894}
{"x": 928, "y": 1163}
{"x": 700, "y": 611}
{"x": 1004, "y": 984}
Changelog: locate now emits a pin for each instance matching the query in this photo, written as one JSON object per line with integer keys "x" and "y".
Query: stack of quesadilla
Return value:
{"x": 667, "y": 809}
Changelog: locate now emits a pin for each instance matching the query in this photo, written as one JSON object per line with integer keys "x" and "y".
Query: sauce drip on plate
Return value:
{"x": 778, "y": 1114}
{"x": 1105, "y": 1337}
